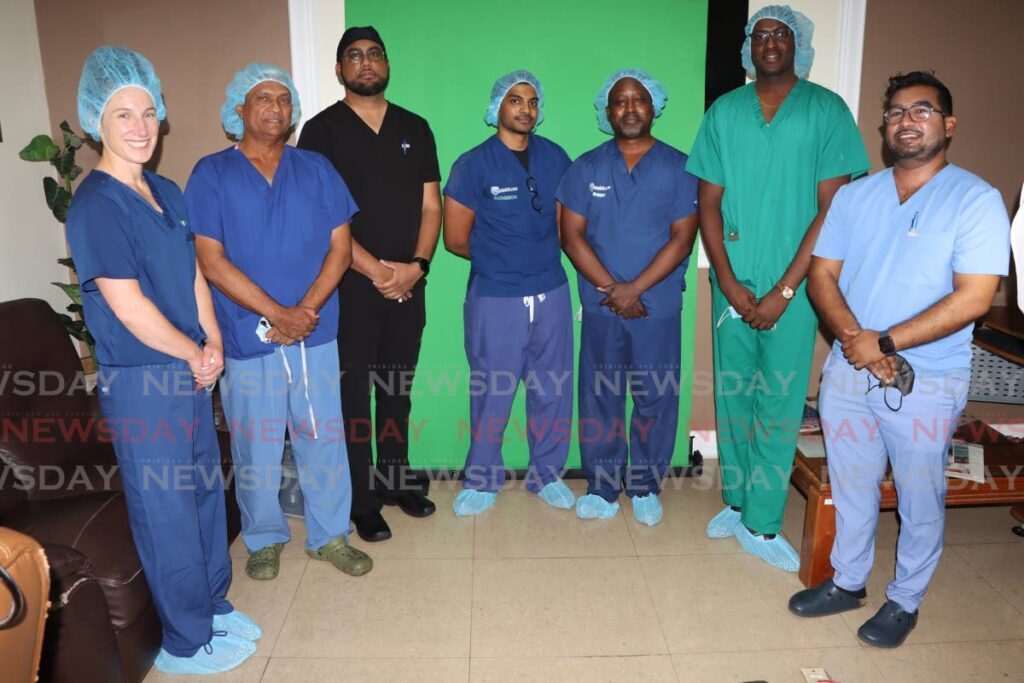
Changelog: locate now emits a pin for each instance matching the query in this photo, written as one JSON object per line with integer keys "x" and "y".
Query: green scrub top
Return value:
{"x": 771, "y": 171}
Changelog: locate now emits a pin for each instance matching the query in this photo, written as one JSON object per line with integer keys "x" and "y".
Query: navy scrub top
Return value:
{"x": 629, "y": 217}
{"x": 277, "y": 234}
{"x": 114, "y": 233}
{"x": 513, "y": 248}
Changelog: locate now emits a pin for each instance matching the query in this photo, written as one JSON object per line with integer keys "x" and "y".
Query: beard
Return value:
{"x": 924, "y": 152}
{"x": 367, "y": 89}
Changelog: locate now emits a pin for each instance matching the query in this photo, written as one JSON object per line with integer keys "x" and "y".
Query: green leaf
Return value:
{"x": 74, "y": 308}
{"x": 41, "y": 148}
{"x": 66, "y": 262}
{"x": 73, "y": 291}
{"x": 71, "y": 138}
{"x": 75, "y": 172}
{"x": 50, "y": 188}
{"x": 66, "y": 162}
{"x": 60, "y": 205}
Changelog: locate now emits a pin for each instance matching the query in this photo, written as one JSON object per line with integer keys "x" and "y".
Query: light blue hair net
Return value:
{"x": 107, "y": 70}
{"x": 656, "y": 90}
{"x": 244, "y": 81}
{"x": 501, "y": 88}
{"x": 803, "y": 32}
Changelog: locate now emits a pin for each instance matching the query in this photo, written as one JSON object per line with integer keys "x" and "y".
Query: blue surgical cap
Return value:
{"x": 244, "y": 81}
{"x": 656, "y": 90}
{"x": 798, "y": 23}
{"x": 107, "y": 70}
{"x": 501, "y": 88}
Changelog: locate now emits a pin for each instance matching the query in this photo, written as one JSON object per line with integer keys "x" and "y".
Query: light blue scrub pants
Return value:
{"x": 509, "y": 339}
{"x": 862, "y": 435}
{"x": 640, "y": 357}
{"x": 262, "y": 396}
{"x": 170, "y": 463}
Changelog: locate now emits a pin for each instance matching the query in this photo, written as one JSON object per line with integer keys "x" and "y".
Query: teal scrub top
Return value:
{"x": 771, "y": 171}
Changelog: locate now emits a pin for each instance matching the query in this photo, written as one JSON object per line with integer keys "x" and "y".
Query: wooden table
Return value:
{"x": 1004, "y": 483}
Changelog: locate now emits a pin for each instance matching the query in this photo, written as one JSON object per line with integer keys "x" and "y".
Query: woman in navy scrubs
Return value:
{"x": 159, "y": 351}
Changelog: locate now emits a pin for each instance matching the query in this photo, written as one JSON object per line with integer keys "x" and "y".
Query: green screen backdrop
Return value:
{"x": 445, "y": 56}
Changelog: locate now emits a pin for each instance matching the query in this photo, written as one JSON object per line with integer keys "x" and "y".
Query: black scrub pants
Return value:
{"x": 378, "y": 346}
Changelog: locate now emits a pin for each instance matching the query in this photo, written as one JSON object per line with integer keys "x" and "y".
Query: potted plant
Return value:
{"x": 58, "y": 195}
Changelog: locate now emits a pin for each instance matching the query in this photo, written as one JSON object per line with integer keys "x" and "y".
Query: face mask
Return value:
{"x": 902, "y": 381}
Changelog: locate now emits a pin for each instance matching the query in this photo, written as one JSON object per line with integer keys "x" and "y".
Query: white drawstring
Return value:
{"x": 528, "y": 301}
{"x": 305, "y": 383}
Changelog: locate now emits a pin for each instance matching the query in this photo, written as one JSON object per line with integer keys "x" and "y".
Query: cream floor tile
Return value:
{"x": 589, "y": 669}
{"x": 441, "y": 535}
{"x": 266, "y": 602}
{"x": 288, "y": 670}
{"x": 689, "y": 503}
{"x": 731, "y": 603}
{"x": 846, "y": 664}
{"x": 1001, "y": 564}
{"x": 990, "y": 524}
{"x": 521, "y": 525}
{"x": 293, "y": 549}
{"x": 574, "y": 607}
{"x": 251, "y": 671}
{"x": 421, "y": 606}
{"x": 960, "y": 606}
{"x": 951, "y": 662}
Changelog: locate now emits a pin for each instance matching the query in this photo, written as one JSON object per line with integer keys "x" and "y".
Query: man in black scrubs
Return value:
{"x": 388, "y": 159}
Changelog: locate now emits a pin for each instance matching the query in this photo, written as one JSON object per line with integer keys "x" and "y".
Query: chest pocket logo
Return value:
{"x": 503, "y": 194}
{"x": 599, "y": 191}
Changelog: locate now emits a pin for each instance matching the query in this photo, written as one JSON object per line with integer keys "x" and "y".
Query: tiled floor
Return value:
{"x": 528, "y": 593}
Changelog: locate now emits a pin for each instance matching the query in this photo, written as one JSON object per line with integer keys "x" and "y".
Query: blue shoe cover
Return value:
{"x": 723, "y": 525}
{"x": 223, "y": 653}
{"x": 777, "y": 552}
{"x": 557, "y": 495}
{"x": 237, "y": 624}
{"x": 593, "y": 506}
{"x": 470, "y": 502}
{"x": 647, "y": 509}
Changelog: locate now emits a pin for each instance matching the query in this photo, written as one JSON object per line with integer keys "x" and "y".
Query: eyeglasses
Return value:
{"x": 356, "y": 56}
{"x": 918, "y": 112}
{"x": 779, "y": 34}
{"x": 531, "y": 185}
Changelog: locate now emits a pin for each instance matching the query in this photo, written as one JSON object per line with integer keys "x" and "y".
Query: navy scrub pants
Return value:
{"x": 642, "y": 358}
{"x": 170, "y": 464}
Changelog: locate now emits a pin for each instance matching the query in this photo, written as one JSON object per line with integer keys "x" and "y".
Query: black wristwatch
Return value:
{"x": 885, "y": 343}
{"x": 424, "y": 263}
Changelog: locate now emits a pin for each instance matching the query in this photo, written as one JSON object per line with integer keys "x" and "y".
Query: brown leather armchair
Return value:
{"x": 24, "y": 587}
{"x": 59, "y": 484}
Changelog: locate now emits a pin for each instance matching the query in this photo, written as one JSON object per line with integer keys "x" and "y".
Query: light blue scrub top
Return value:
{"x": 277, "y": 234}
{"x": 898, "y": 260}
{"x": 629, "y": 217}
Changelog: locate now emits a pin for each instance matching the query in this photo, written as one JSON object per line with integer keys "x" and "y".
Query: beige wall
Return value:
{"x": 30, "y": 238}
{"x": 195, "y": 45}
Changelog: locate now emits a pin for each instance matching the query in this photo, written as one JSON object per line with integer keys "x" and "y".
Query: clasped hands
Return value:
{"x": 760, "y": 314}
{"x": 206, "y": 365}
{"x": 395, "y": 280}
{"x": 623, "y": 298}
{"x": 292, "y": 324}
{"x": 860, "y": 348}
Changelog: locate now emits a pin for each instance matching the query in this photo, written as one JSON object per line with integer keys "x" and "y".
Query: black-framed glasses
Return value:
{"x": 918, "y": 112}
{"x": 779, "y": 34}
{"x": 356, "y": 56}
{"x": 531, "y": 185}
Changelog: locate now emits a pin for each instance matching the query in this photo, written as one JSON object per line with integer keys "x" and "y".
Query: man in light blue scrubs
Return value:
{"x": 273, "y": 239}
{"x": 907, "y": 259}
{"x": 628, "y": 223}
{"x": 500, "y": 213}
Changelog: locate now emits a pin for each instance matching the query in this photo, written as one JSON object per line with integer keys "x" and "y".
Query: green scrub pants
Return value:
{"x": 761, "y": 382}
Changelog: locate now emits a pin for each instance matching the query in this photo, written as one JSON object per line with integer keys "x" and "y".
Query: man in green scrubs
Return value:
{"x": 770, "y": 155}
